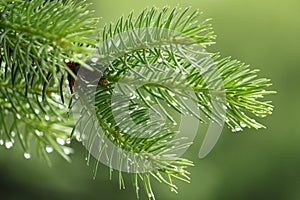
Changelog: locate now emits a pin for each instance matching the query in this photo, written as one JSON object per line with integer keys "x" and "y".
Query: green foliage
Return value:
{"x": 36, "y": 39}
{"x": 161, "y": 51}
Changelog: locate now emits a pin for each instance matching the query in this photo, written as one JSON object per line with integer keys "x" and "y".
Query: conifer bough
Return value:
{"x": 42, "y": 44}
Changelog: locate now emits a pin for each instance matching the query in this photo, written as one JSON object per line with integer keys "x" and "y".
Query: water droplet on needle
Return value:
{"x": 27, "y": 155}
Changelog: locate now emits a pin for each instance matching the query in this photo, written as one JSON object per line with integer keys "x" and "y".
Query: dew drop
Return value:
{"x": 49, "y": 149}
{"x": 160, "y": 60}
{"x": 133, "y": 97}
{"x": 67, "y": 150}
{"x": 243, "y": 125}
{"x": 237, "y": 129}
{"x": 94, "y": 60}
{"x": 184, "y": 98}
{"x": 68, "y": 140}
{"x": 47, "y": 118}
{"x": 13, "y": 134}
{"x": 8, "y": 144}
{"x": 1, "y": 142}
{"x": 60, "y": 141}
{"x": 55, "y": 96}
{"x": 47, "y": 107}
{"x": 39, "y": 133}
{"x": 37, "y": 111}
{"x": 27, "y": 155}
{"x": 40, "y": 99}
{"x": 50, "y": 49}
{"x": 172, "y": 94}
{"x": 18, "y": 116}
{"x": 78, "y": 138}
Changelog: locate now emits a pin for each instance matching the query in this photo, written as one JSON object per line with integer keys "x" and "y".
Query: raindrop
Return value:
{"x": 47, "y": 118}
{"x": 37, "y": 111}
{"x": 94, "y": 60}
{"x": 1, "y": 142}
{"x": 237, "y": 129}
{"x": 68, "y": 140}
{"x": 49, "y": 149}
{"x": 133, "y": 97}
{"x": 50, "y": 49}
{"x": 39, "y": 133}
{"x": 78, "y": 138}
{"x": 40, "y": 99}
{"x": 55, "y": 96}
{"x": 27, "y": 155}
{"x": 184, "y": 98}
{"x": 13, "y": 134}
{"x": 8, "y": 144}
{"x": 60, "y": 141}
{"x": 67, "y": 151}
{"x": 243, "y": 125}
{"x": 172, "y": 94}
{"x": 18, "y": 116}
{"x": 160, "y": 60}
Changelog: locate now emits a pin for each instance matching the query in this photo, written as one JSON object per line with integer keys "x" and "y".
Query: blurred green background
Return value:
{"x": 262, "y": 164}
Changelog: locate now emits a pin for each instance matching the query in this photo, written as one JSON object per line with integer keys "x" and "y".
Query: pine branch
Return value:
{"x": 157, "y": 59}
{"x": 37, "y": 38}
{"x": 134, "y": 83}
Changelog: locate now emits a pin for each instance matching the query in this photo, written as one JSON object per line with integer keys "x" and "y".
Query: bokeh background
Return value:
{"x": 262, "y": 164}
